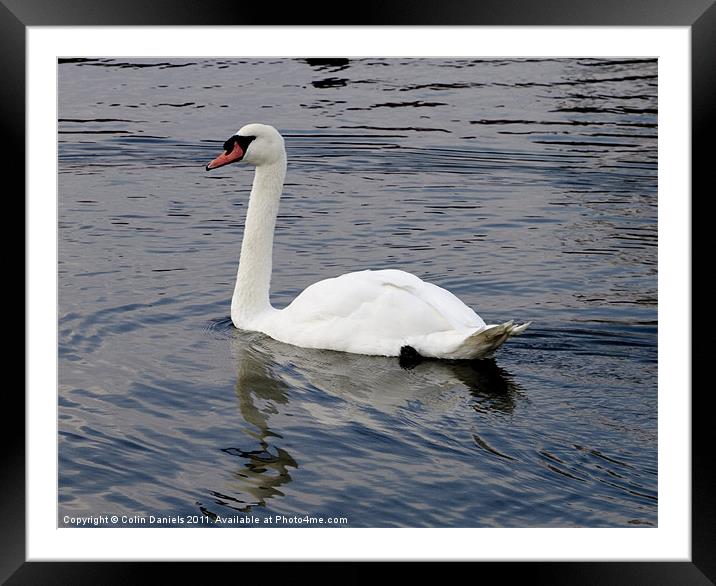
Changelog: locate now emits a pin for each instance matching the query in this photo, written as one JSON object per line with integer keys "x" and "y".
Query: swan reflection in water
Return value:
{"x": 275, "y": 379}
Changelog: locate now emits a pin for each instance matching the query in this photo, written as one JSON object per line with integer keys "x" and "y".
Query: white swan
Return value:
{"x": 382, "y": 312}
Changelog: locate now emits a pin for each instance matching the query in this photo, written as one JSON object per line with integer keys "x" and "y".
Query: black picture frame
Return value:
{"x": 699, "y": 15}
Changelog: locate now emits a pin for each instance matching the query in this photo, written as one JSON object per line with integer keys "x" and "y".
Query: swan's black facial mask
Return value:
{"x": 235, "y": 149}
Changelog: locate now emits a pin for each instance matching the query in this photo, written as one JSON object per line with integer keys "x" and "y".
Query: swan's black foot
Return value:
{"x": 409, "y": 357}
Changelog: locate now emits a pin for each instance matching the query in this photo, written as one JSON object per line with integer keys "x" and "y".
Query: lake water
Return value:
{"x": 526, "y": 187}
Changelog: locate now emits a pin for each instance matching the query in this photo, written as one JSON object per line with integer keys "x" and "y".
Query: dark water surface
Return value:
{"x": 526, "y": 187}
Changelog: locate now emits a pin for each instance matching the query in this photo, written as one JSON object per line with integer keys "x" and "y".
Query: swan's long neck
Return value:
{"x": 251, "y": 294}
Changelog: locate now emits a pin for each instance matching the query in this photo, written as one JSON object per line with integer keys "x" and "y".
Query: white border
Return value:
{"x": 670, "y": 541}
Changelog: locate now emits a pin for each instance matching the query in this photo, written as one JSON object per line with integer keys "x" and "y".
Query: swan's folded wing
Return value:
{"x": 390, "y": 302}
{"x": 440, "y": 300}
{"x": 379, "y": 312}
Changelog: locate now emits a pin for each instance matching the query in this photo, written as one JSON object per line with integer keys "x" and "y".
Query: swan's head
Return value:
{"x": 257, "y": 144}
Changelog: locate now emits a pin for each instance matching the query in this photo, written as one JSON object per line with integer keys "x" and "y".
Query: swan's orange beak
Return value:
{"x": 236, "y": 154}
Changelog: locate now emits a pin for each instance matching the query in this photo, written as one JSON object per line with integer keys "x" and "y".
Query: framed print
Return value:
{"x": 463, "y": 335}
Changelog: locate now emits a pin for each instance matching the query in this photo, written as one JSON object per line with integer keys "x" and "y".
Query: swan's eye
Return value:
{"x": 244, "y": 142}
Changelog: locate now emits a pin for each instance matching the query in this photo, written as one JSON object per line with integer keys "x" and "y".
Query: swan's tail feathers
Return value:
{"x": 517, "y": 330}
{"x": 483, "y": 343}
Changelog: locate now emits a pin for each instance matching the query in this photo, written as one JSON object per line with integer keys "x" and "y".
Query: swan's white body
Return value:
{"x": 366, "y": 312}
